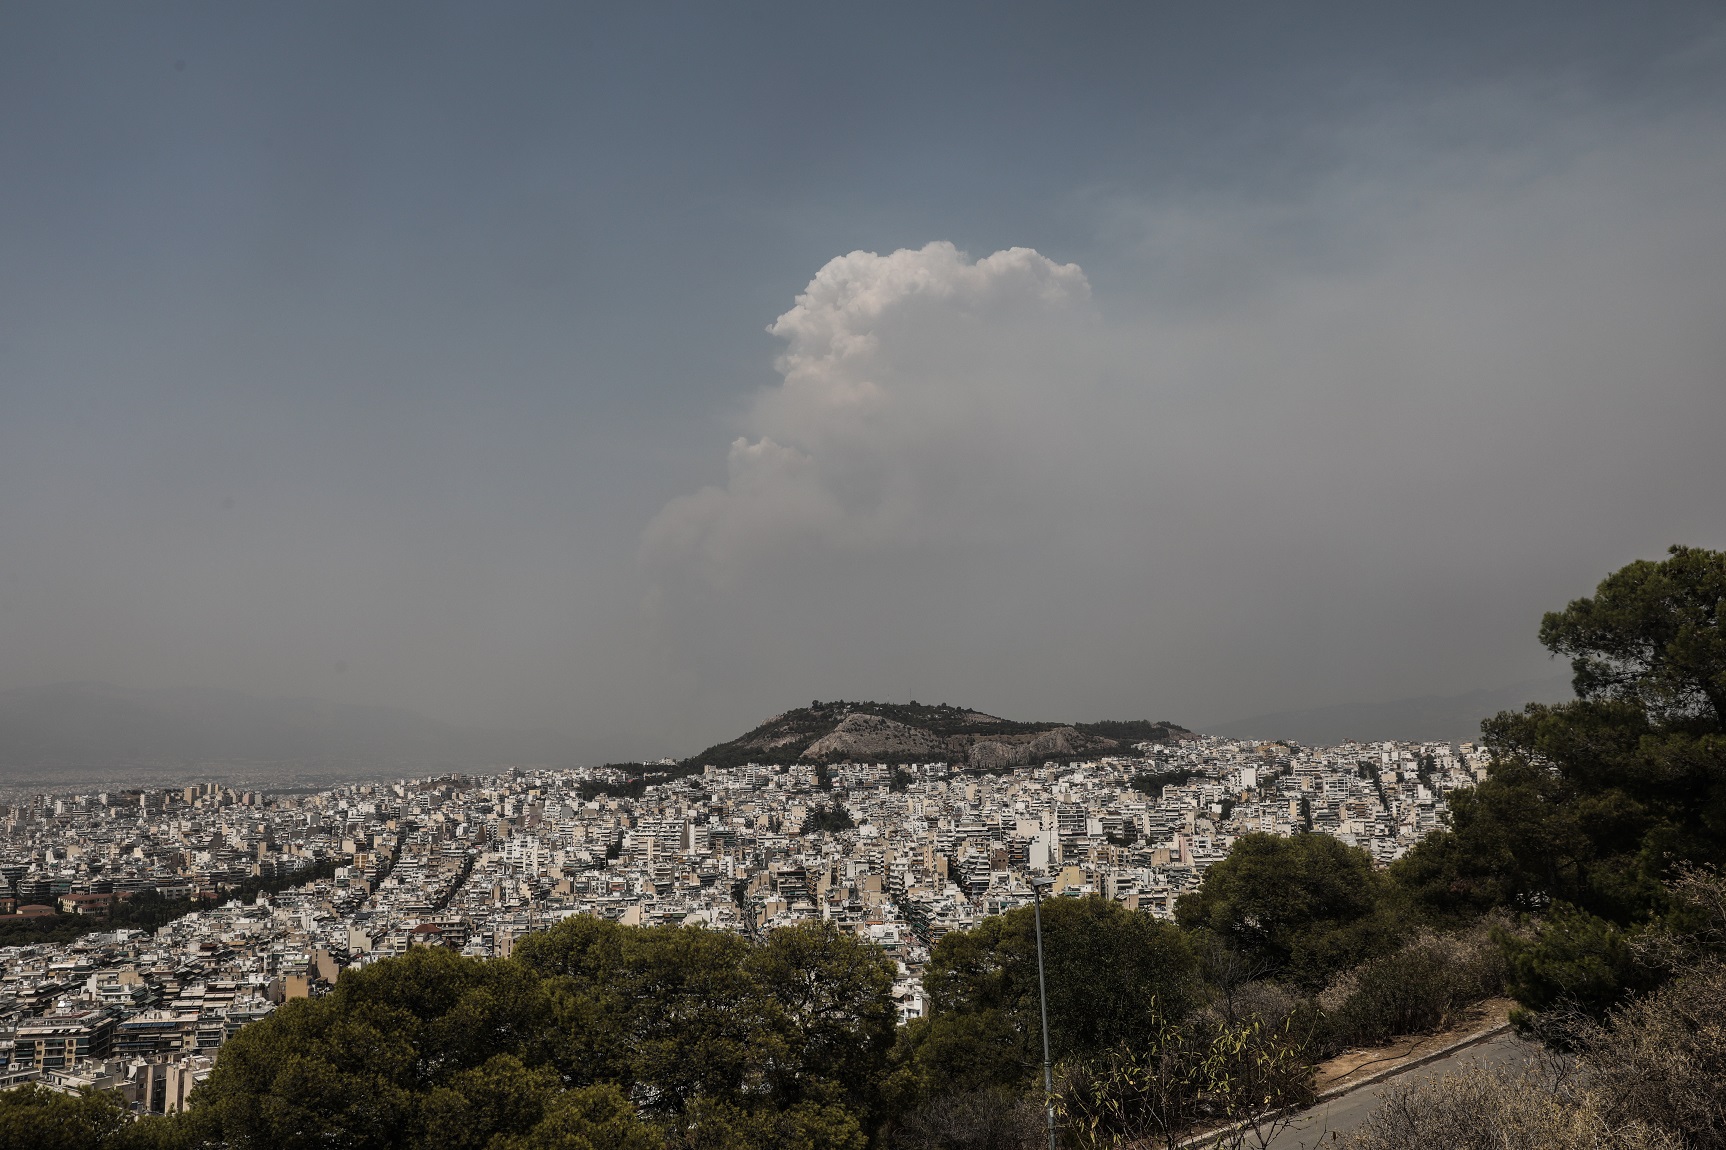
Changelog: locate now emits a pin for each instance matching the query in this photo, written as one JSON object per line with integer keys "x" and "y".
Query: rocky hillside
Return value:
{"x": 841, "y": 732}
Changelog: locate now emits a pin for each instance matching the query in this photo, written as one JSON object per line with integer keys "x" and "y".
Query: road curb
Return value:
{"x": 1377, "y": 1076}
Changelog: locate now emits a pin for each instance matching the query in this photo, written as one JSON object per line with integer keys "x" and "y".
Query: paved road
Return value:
{"x": 1342, "y": 1115}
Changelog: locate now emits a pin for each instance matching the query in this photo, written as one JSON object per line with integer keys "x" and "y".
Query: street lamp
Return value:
{"x": 1037, "y": 885}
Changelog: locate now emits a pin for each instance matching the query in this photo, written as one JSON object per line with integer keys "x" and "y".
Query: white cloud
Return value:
{"x": 897, "y": 370}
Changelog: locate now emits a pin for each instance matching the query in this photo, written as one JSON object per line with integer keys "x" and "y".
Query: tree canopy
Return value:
{"x": 593, "y": 1034}
{"x": 1111, "y": 974}
{"x": 1590, "y": 805}
{"x": 35, "y": 1116}
{"x": 1303, "y": 907}
{"x": 1651, "y": 637}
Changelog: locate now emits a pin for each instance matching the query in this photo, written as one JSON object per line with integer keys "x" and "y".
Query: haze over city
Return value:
{"x": 639, "y": 373}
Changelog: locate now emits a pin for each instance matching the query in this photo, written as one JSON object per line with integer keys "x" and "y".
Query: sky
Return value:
{"x": 641, "y": 371}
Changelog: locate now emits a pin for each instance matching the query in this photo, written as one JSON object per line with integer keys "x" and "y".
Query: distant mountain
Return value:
{"x": 81, "y": 728}
{"x": 840, "y": 732}
{"x": 1435, "y": 718}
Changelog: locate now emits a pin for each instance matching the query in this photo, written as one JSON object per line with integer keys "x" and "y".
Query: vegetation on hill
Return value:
{"x": 1648, "y": 1075}
{"x": 1152, "y": 782}
{"x": 1130, "y": 732}
{"x": 147, "y": 910}
{"x": 1562, "y": 878}
{"x": 828, "y": 819}
{"x": 943, "y": 731}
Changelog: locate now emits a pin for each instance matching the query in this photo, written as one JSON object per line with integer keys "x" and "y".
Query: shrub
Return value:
{"x": 1416, "y": 990}
{"x": 1652, "y": 1076}
{"x": 1480, "y": 1109}
{"x": 1574, "y": 958}
{"x": 1244, "y": 1080}
{"x": 1661, "y": 1060}
{"x": 974, "y": 1120}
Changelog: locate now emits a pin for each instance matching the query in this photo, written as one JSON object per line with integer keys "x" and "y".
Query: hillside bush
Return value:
{"x": 1245, "y": 1081}
{"x": 1649, "y": 1075}
{"x": 1417, "y": 989}
{"x": 998, "y": 1119}
{"x": 1481, "y": 1109}
{"x": 1661, "y": 1059}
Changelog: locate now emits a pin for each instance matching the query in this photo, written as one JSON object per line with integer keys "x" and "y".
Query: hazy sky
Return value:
{"x": 643, "y": 370}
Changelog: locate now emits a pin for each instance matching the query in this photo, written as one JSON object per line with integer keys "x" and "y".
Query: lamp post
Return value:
{"x": 1037, "y": 885}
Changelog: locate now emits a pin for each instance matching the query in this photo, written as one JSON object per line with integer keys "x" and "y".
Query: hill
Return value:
{"x": 82, "y": 729}
{"x": 840, "y": 732}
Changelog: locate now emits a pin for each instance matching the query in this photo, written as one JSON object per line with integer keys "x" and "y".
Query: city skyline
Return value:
{"x": 275, "y": 895}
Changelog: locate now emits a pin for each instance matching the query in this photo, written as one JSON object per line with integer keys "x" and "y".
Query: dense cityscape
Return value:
{"x": 291, "y": 888}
